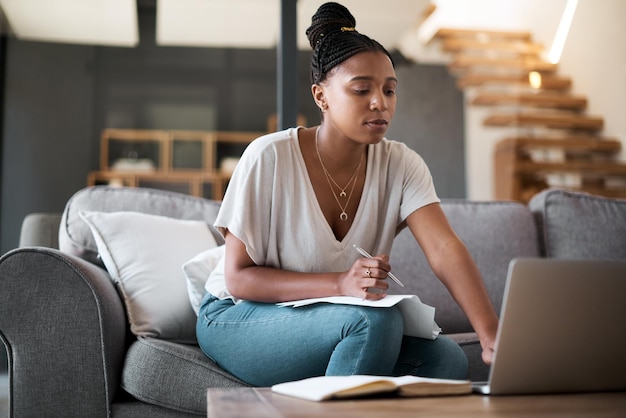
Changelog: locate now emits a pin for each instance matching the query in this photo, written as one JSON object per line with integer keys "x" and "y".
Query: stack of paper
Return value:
{"x": 419, "y": 318}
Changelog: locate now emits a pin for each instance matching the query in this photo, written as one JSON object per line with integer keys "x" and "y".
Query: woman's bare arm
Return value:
{"x": 454, "y": 266}
{"x": 246, "y": 280}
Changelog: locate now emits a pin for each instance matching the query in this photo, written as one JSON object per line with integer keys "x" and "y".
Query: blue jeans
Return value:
{"x": 264, "y": 344}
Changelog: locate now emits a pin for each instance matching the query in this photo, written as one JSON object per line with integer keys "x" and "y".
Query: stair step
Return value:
{"x": 482, "y": 34}
{"x": 525, "y": 165}
{"x": 543, "y": 100}
{"x": 601, "y": 191}
{"x": 464, "y": 62}
{"x": 548, "y": 82}
{"x": 597, "y": 168}
{"x": 554, "y": 120}
{"x": 575, "y": 144}
{"x": 503, "y": 46}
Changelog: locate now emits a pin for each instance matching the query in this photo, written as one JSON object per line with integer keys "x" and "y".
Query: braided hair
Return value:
{"x": 334, "y": 39}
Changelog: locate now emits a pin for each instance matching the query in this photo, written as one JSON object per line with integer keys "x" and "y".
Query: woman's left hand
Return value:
{"x": 487, "y": 355}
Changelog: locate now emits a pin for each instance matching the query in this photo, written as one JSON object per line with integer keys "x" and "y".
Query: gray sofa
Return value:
{"x": 66, "y": 327}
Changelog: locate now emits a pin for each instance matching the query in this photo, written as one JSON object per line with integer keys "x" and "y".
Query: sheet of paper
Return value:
{"x": 419, "y": 318}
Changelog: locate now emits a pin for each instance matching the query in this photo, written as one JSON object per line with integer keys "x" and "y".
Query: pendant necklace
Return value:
{"x": 344, "y": 215}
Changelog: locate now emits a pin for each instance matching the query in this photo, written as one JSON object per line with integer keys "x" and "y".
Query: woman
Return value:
{"x": 298, "y": 202}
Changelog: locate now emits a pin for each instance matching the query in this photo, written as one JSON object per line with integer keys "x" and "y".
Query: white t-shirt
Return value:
{"x": 270, "y": 205}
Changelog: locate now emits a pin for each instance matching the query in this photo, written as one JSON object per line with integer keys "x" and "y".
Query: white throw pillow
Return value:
{"x": 143, "y": 254}
{"x": 197, "y": 271}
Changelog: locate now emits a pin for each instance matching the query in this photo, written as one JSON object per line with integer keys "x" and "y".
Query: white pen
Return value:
{"x": 367, "y": 255}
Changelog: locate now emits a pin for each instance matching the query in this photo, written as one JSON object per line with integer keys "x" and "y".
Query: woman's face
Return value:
{"x": 359, "y": 97}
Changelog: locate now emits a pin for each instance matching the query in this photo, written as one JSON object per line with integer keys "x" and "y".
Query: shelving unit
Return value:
{"x": 198, "y": 163}
{"x": 525, "y": 165}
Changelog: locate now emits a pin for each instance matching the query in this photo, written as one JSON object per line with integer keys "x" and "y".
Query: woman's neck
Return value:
{"x": 338, "y": 153}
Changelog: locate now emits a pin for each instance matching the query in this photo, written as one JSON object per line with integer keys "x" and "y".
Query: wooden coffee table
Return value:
{"x": 263, "y": 403}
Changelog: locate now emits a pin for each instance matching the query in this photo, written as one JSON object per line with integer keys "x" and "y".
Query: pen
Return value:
{"x": 366, "y": 255}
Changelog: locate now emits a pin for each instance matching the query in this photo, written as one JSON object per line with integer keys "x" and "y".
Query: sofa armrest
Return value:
{"x": 64, "y": 327}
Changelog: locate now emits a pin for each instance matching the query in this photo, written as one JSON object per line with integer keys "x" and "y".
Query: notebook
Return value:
{"x": 562, "y": 328}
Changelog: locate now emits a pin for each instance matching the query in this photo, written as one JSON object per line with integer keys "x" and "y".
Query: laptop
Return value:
{"x": 562, "y": 328}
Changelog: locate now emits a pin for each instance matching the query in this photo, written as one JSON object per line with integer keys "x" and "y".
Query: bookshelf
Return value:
{"x": 198, "y": 163}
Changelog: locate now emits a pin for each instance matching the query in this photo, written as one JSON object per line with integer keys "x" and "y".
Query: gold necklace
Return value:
{"x": 344, "y": 215}
{"x": 327, "y": 173}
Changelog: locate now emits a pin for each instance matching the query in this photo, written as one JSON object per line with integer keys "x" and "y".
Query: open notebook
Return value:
{"x": 323, "y": 388}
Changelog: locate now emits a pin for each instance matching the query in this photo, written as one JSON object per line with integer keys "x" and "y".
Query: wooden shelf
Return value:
{"x": 190, "y": 150}
{"x": 601, "y": 191}
{"x": 464, "y": 62}
{"x": 573, "y": 144}
{"x": 119, "y": 144}
{"x": 198, "y": 163}
{"x": 482, "y": 34}
{"x": 548, "y": 82}
{"x": 603, "y": 168}
{"x": 539, "y": 99}
{"x": 519, "y": 177}
{"x": 502, "y": 46}
{"x": 547, "y": 120}
{"x": 207, "y": 185}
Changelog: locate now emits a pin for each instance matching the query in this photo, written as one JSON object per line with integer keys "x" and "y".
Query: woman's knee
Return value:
{"x": 441, "y": 358}
{"x": 384, "y": 322}
{"x": 454, "y": 357}
{"x": 369, "y": 343}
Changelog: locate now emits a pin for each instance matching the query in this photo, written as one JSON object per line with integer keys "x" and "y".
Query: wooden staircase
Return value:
{"x": 554, "y": 141}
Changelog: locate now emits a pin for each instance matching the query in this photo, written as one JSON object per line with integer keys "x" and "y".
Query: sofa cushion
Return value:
{"x": 580, "y": 225}
{"x": 40, "y": 230}
{"x": 197, "y": 272}
{"x": 175, "y": 376}
{"x": 144, "y": 254}
{"x": 76, "y": 238}
{"x": 494, "y": 233}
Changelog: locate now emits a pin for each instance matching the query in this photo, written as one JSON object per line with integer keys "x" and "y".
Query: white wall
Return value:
{"x": 594, "y": 57}
{"x": 538, "y": 16}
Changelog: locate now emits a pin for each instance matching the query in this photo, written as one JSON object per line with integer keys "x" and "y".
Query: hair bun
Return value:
{"x": 329, "y": 17}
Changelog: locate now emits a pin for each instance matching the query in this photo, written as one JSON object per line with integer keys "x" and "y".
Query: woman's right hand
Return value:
{"x": 367, "y": 278}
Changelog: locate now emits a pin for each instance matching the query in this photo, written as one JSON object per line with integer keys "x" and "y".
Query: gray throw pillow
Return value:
{"x": 580, "y": 225}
